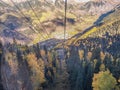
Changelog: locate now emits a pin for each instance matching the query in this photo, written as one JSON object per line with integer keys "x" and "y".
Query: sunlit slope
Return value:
{"x": 109, "y": 24}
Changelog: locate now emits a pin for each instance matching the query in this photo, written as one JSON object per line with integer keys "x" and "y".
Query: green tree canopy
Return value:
{"x": 103, "y": 81}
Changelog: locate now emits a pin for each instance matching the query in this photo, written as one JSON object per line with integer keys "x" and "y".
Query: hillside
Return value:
{"x": 108, "y": 23}
{"x": 42, "y": 20}
{"x": 34, "y": 55}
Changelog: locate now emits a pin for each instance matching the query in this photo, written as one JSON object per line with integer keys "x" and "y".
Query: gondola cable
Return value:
{"x": 33, "y": 28}
{"x": 38, "y": 18}
{"x": 65, "y": 21}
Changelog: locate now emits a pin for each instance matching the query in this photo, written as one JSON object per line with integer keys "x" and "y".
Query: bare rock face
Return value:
{"x": 97, "y": 7}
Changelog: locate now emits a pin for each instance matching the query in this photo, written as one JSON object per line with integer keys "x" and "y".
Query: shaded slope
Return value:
{"x": 109, "y": 23}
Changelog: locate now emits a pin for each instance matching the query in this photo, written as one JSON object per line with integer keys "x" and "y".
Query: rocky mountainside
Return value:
{"x": 109, "y": 22}
{"x": 47, "y": 16}
{"x": 92, "y": 7}
{"x": 99, "y": 6}
{"x": 90, "y": 57}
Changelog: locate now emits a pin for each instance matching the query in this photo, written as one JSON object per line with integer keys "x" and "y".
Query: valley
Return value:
{"x": 42, "y": 49}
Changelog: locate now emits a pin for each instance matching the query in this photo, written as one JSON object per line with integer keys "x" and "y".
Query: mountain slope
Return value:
{"x": 47, "y": 17}
{"x": 110, "y": 23}
{"x": 99, "y": 6}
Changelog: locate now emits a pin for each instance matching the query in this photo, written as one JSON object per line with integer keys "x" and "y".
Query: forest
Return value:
{"x": 44, "y": 47}
{"x": 92, "y": 64}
